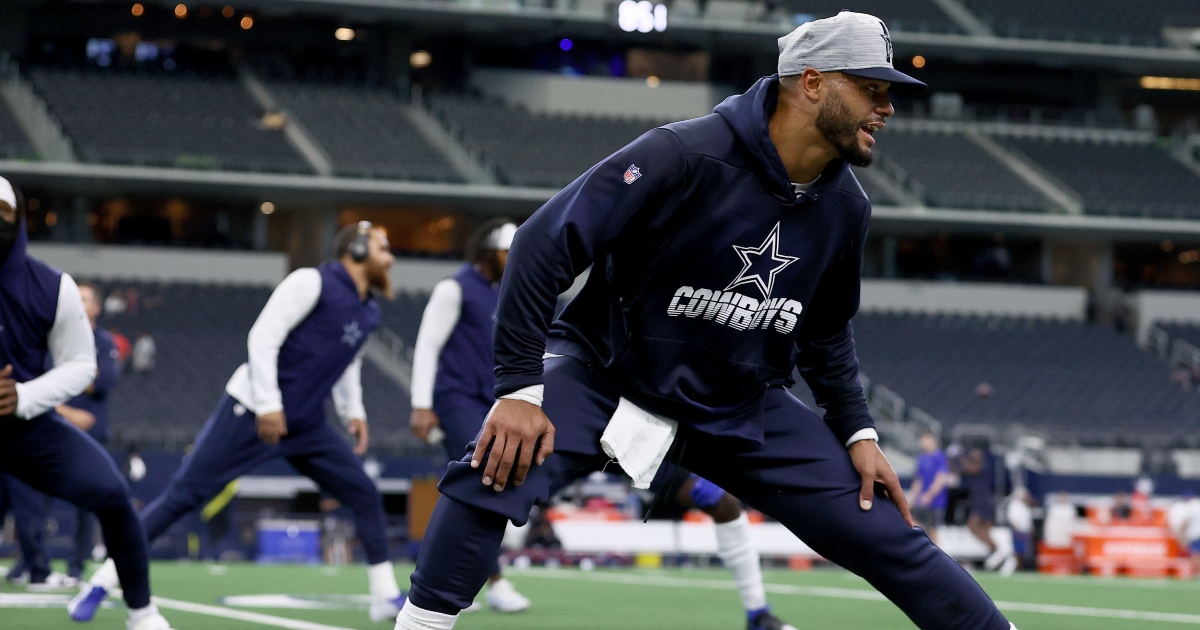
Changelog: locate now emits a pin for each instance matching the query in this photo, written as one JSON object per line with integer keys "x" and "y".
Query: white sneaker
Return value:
{"x": 151, "y": 622}
{"x": 386, "y": 609}
{"x": 502, "y": 597}
{"x": 474, "y": 607}
{"x": 1008, "y": 567}
{"x": 54, "y": 582}
{"x": 993, "y": 561}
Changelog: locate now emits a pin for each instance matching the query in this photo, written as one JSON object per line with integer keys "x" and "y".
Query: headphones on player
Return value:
{"x": 360, "y": 246}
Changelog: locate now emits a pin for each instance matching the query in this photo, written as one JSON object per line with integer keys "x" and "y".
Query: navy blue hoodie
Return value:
{"x": 712, "y": 279}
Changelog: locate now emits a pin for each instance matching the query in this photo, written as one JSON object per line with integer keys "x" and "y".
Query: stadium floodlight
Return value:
{"x": 344, "y": 34}
{"x": 643, "y": 16}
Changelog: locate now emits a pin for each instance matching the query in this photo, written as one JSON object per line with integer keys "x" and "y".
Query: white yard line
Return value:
{"x": 242, "y": 615}
{"x": 850, "y": 593}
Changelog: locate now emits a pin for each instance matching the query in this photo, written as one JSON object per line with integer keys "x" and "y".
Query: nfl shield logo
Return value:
{"x": 632, "y": 174}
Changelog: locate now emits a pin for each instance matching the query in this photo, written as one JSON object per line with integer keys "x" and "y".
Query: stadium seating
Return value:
{"x": 1131, "y": 180}
{"x": 912, "y": 15}
{"x": 366, "y": 132}
{"x": 1186, "y": 332}
{"x": 956, "y": 173}
{"x": 156, "y": 120}
{"x": 535, "y": 149}
{"x": 1067, "y": 379}
{"x": 13, "y": 143}
{"x": 1097, "y": 21}
{"x": 200, "y": 333}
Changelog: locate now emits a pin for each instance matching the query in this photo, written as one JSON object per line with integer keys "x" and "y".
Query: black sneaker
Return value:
{"x": 766, "y": 621}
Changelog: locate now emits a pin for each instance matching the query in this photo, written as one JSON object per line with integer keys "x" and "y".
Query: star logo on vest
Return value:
{"x": 351, "y": 334}
{"x": 761, "y": 262}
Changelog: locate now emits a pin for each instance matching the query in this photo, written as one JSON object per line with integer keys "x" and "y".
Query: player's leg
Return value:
{"x": 29, "y": 515}
{"x": 735, "y": 546}
{"x": 461, "y": 419}
{"x": 62, "y": 461}
{"x": 470, "y": 518}
{"x": 803, "y": 477}
{"x": 226, "y": 447}
{"x": 83, "y": 542}
{"x": 323, "y": 456}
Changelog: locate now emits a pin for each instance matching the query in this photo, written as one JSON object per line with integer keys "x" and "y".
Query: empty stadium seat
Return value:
{"x": 911, "y": 15}
{"x": 1118, "y": 179}
{"x": 957, "y": 173}
{"x": 366, "y": 132}
{"x": 13, "y": 142}
{"x": 1186, "y": 332}
{"x": 163, "y": 120}
{"x": 1067, "y": 379}
{"x": 537, "y": 149}
{"x": 1096, "y": 21}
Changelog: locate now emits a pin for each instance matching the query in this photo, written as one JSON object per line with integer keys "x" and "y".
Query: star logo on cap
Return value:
{"x": 887, "y": 38}
{"x": 767, "y": 259}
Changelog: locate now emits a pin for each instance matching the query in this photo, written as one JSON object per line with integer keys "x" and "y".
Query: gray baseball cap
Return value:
{"x": 849, "y": 42}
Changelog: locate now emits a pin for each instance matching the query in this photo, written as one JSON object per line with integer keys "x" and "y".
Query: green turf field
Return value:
{"x": 687, "y": 599}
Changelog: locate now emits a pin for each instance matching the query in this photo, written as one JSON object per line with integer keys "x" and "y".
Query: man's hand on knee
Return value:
{"x": 874, "y": 468}
{"x": 513, "y": 430}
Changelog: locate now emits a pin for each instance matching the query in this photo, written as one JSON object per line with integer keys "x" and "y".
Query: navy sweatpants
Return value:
{"x": 55, "y": 458}
{"x": 801, "y": 476}
{"x": 461, "y": 417}
{"x": 228, "y": 447}
{"x": 28, "y": 507}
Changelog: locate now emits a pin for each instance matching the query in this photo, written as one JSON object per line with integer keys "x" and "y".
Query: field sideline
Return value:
{"x": 199, "y": 596}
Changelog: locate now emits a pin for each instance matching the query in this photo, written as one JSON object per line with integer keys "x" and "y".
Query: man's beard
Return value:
{"x": 381, "y": 281}
{"x": 8, "y": 237}
{"x": 837, "y": 124}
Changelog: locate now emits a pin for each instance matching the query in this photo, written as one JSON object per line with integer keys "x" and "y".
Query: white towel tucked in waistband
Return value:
{"x": 639, "y": 441}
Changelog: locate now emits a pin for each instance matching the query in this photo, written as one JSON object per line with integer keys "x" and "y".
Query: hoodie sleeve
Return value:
{"x": 827, "y": 361}
{"x": 565, "y": 235}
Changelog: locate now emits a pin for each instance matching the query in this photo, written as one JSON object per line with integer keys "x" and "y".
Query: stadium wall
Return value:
{"x": 974, "y": 298}
{"x": 1165, "y": 306}
{"x": 164, "y": 264}
{"x": 600, "y": 96}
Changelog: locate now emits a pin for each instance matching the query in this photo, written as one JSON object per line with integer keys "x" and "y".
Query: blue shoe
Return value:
{"x": 387, "y": 610}
{"x": 766, "y": 621}
{"x": 84, "y": 605}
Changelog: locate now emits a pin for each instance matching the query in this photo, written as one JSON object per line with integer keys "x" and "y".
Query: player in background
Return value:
{"x": 452, "y": 388}
{"x": 452, "y": 378}
{"x": 89, "y": 412}
{"x": 28, "y": 507}
{"x": 42, "y": 323}
{"x": 727, "y": 254}
{"x": 305, "y": 345}
{"x": 930, "y": 486}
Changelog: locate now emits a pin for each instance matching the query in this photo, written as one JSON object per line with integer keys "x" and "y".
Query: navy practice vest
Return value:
{"x": 28, "y": 304}
{"x": 466, "y": 365}
{"x": 318, "y": 350}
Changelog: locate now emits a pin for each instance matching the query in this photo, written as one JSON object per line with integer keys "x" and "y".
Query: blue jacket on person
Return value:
{"x": 465, "y": 364}
{"x": 28, "y": 305}
{"x": 95, "y": 401}
{"x": 712, "y": 279}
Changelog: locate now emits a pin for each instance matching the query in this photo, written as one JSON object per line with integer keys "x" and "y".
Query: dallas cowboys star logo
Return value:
{"x": 767, "y": 258}
{"x": 351, "y": 334}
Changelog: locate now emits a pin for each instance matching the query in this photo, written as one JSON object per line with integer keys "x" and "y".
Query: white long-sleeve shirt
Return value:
{"x": 255, "y": 384}
{"x": 73, "y": 352}
{"x": 437, "y": 324}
